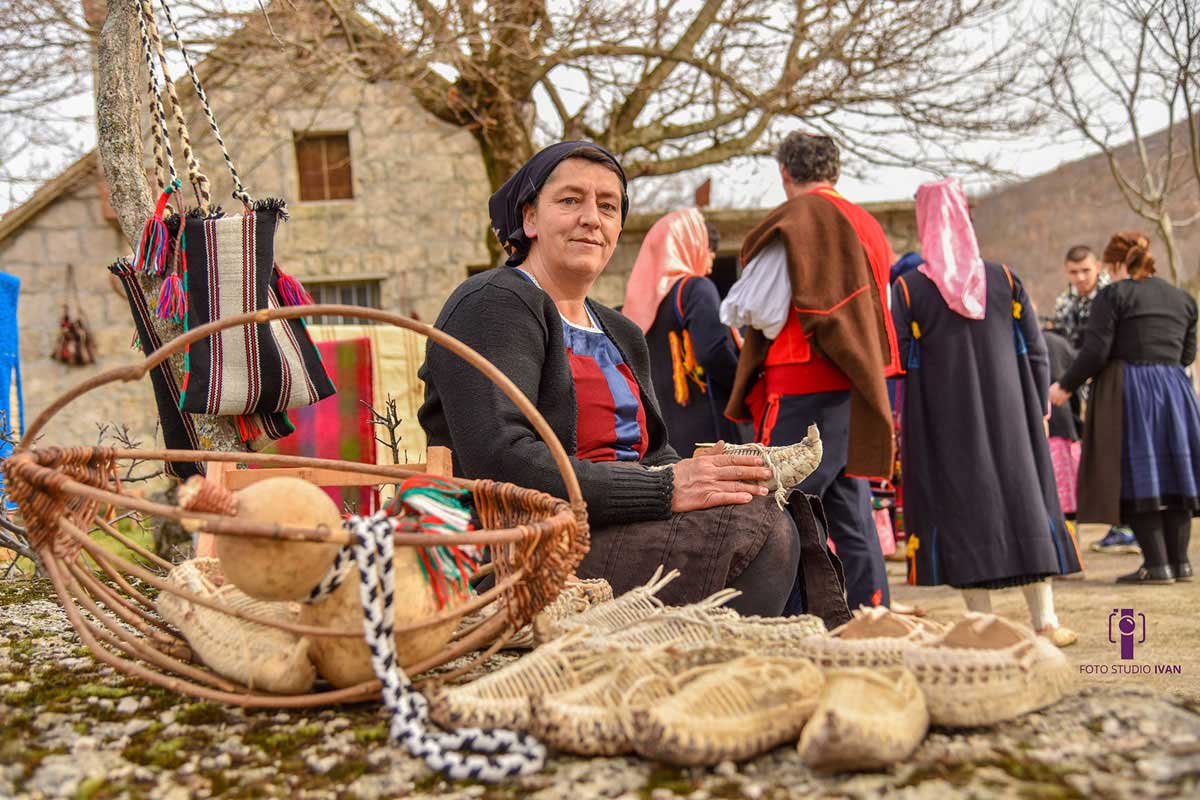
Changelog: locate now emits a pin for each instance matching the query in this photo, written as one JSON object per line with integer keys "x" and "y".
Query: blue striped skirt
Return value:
{"x": 1160, "y": 458}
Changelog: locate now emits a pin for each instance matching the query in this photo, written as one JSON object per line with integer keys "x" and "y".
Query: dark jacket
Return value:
{"x": 693, "y": 305}
{"x": 1137, "y": 322}
{"x": 517, "y": 327}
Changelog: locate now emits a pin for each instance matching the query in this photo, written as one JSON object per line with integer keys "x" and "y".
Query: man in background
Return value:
{"x": 1071, "y": 311}
{"x": 819, "y": 345}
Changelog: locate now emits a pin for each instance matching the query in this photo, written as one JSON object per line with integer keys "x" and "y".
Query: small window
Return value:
{"x": 323, "y": 160}
{"x": 354, "y": 293}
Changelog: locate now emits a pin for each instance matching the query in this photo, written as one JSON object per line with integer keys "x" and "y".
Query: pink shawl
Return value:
{"x": 675, "y": 247}
{"x": 948, "y": 244}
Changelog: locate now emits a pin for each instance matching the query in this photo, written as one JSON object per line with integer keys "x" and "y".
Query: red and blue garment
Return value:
{"x": 610, "y": 421}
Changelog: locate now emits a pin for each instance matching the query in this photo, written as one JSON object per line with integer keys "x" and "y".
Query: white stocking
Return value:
{"x": 978, "y": 600}
{"x": 1040, "y": 599}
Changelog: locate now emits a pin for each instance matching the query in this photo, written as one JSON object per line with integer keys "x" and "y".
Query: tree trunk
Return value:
{"x": 1166, "y": 229}
{"x": 119, "y": 92}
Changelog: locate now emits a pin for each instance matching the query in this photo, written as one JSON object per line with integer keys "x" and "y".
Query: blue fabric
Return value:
{"x": 10, "y": 363}
{"x": 1160, "y": 456}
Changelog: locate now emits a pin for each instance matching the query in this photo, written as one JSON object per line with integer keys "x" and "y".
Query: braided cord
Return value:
{"x": 198, "y": 180}
{"x": 239, "y": 191}
{"x": 162, "y": 134}
{"x": 465, "y": 754}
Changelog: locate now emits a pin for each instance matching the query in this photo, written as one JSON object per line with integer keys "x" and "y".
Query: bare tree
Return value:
{"x": 1116, "y": 66}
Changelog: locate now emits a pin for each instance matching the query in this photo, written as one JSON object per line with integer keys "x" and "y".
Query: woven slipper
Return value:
{"x": 594, "y": 719}
{"x": 874, "y": 637}
{"x": 775, "y": 636}
{"x": 614, "y": 614}
{"x": 789, "y": 464}
{"x": 723, "y": 712}
{"x": 865, "y": 719}
{"x": 985, "y": 670}
{"x": 257, "y": 656}
{"x": 577, "y": 596}
{"x": 501, "y": 699}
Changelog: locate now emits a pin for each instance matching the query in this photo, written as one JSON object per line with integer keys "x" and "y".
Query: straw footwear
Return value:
{"x": 257, "y": 656}
{"x": 985, "y": 670}
{"x": 874, "y": 637}
{"x": 729, "y": 711}
{"x": 614, "y": 614}
{"x": 594, "y": 719}
{"x": 1058, "y": 635}
{"x": 865, "y": 719}
{"x": 501, "y": 699}
{"x": 789, "y": 464}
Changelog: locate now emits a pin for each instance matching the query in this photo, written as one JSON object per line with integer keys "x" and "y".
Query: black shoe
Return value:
{"x": 1153, "y": 575}
{"x": 1183, "y": 572}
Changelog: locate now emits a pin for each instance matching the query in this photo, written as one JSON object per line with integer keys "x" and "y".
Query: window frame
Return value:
{"x": 323, "y": 137}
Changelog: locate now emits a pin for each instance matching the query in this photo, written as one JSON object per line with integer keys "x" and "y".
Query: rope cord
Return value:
{"x": 197, "y": 178}
{"x": 162, "y": 134}
{"x": 464, "y": 754}
{"x": 239, "y": 191}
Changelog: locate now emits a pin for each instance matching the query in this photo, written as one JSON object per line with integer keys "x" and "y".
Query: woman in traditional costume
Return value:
{"x": 693, "y": 357}
{"x": 1141, "y": 452}
{"x": 980, "y": 502}
{"x": 587, "y": 369}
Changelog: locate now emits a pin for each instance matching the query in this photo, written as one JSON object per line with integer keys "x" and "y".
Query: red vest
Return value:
{"x": 804, "y": 369}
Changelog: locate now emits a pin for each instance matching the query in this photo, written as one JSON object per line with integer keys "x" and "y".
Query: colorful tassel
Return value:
{"x": 430, "y": 505}
{"x": 684, "y": 367}
{"x": 172, "y": 300}
{"x": 291, "y": 291}
{"x": 151, "y": 255}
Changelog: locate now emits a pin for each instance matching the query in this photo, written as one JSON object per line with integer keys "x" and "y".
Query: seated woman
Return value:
{"x": 693, "y": 356}
{"x": 586, "y": 368}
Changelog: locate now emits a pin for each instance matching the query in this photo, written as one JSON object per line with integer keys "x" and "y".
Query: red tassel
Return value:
{"x": 151, "y": 255}
{"x": 248, "y": 429}
{"x": 291, "y": 291}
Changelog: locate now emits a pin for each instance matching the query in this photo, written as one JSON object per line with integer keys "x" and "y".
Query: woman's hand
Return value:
{"x": 1058, "y": 395}
{"x": 712, "y": 478}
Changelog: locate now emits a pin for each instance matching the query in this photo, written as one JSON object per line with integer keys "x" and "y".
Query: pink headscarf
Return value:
{"x": 948, "y": 244}
{"x": 675, "y": 247}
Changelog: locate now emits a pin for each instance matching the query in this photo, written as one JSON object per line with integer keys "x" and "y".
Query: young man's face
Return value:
{"x": 1083, "y": 274}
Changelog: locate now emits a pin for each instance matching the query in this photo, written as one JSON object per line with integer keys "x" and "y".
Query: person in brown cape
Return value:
{"x": 819, "y": 346}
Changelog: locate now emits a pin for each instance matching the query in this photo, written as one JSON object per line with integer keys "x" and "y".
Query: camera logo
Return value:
{"x": 1127, "y": 625}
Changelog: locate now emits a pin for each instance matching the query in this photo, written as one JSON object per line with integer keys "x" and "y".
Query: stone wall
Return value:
{"x": 416, "y": 222}
{"x": 1031, "y": 225}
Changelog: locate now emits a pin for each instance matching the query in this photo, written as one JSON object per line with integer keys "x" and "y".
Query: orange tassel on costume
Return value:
{"x": 684, "y": 367}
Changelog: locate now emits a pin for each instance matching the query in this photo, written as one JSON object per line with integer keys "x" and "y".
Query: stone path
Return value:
{"x": 72, "y": 728}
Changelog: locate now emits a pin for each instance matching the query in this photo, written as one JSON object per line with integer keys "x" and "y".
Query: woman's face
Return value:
{"x": 576, "y": 220}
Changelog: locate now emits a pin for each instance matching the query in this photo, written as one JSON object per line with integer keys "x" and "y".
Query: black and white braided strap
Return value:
{"x": 468, "y": 753}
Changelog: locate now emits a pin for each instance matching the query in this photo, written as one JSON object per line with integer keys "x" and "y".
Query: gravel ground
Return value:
{"x": 70, "y": 727}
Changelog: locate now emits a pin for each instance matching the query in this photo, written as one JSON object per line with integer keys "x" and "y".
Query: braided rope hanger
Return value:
{"x": 162, "y": 134}
{"x": 239, "y": 190}
{"x": 198, "y": 179}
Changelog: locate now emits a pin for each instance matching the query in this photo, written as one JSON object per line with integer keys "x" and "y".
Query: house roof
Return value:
{"x": 87, "y": 166}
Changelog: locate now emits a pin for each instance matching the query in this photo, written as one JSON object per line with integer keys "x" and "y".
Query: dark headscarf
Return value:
{"x": 507, "y": 203}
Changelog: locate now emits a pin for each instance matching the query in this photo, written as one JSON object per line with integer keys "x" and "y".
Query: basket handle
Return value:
{"x": 133, "y": 372}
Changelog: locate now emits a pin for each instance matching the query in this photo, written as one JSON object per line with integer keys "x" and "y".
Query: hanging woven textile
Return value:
{"x": 11, "y": 425}
{"x": 215, "y": 265}
{"x": 74, "y": 346}
{"x": 178, "y": 428}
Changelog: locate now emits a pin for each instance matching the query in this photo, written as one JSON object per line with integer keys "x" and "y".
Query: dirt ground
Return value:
{"x": 1172, "y": 625}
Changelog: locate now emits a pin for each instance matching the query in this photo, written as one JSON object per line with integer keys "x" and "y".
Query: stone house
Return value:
{"x": 387, "y": 208}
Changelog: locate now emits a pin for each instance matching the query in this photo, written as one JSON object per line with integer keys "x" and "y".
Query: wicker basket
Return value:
{"x": 66, "y": 493}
